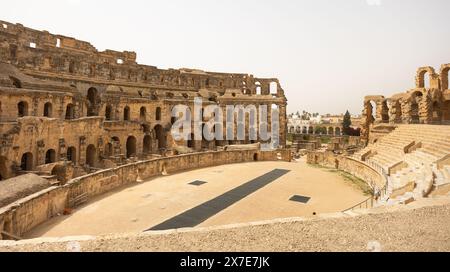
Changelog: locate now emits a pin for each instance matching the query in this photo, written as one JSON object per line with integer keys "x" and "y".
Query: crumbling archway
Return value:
{"x": 93, "y": 100}
{"x": 70, "y": 112}
{"x": 72, "y": 154}
{"x": 131, "y": 147}
{"x": 50, "y": 156}
{"x": 143, "y": 114}
{"x": 160, "y": 136}
{"x": 436, "y": 112}
{"x": 48, "y": 109}
{"x": 3, "y": 168}
{"x": 108, "y": 113}
{"x": 147, "y": 144}
{"x": 22, "y": 109}
{"x": 91, "y": 156}
{"x": 26, "y": 163}
{"x": 126, "y": 113}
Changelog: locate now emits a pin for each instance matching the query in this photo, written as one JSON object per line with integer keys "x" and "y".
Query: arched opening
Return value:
{"x": 143, "y": 114}
{"x": 126, "y": 113}
{"x": 160, "y": 136}
{"x": 310, "y": 130}
{"x": 273, "y": 88}
{"x": 446, "y": 111}
{"x": 255, "y": 157}
{"x": 158, "y": 114}
{"x": 147, "y": 144}
{"x": 48, "y": 109}
{"x": 22, "y": 109}
{"x": 91, "y": 156}
{"x": 108, "y": 113}
{"x": 330, "y": 131}
{"x": 424, "y": 79}
{"x": 304, "y": 130}
{"x": 70, "y": 112}
{"x": 72, "y": 154}
{"x": 436, "y": 112}
{"x": 384, "y": 112}
{"x": 26, "y": 163}
{"x": 93, "y": 100}
{"x": 131, "y": 147}
{"x": 337, "y": 131}
{"x": 50, "y": 156}
{"x": 190, "y": 142}
{"x": 258, "y": 88}
{"x": 3, "y": 168}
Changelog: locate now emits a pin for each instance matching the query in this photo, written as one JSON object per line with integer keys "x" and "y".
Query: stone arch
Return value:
{"x": 50, "y": 156}
{"x": 158, "y": 114}
{"x": 48, "y": 109}
{"x": 384, "y": 112}
{"x": 22, "y": 109}
{"x": 131, "y": 147}
{"x": 70, "y": 112}
{"x": 330, "y": 131}
{"x": 126, "y": 113}
{"x": 4, "y": 173}
{"x": 304, "y": 130}
{"x": 93, "y": 100}
{"x": 310, "y": 130}
{"x": 160, "y": 136}
{"x": 91, "y": 155}
{"x": 273, "y": 88}
{"x": 423, "y": 77}
{"x": 147, "y": 144}
{"x": 255, "y": 157}
{"x": 72, "y": 154}
{"x": 108, "y": 113}
{"x": 337, "y": 131}
{"x": 26, "y": 163}
{"x": 258, "y": 90}
{"x": 143, "y": 114}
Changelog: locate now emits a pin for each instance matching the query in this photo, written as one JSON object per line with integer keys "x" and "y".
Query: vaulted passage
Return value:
{"x": 201, "y": 213}
{"x": 91, "y": 155}
{"x": 131, "y": 147}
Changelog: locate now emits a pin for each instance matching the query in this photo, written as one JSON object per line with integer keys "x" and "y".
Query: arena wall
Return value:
{"x": 23, "y": 215}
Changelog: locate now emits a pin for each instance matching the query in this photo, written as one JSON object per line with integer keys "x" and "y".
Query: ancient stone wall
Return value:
{"x": 427, "y": 103}
{"x": 95, "y": 107}
{"x": 23, "y": 215}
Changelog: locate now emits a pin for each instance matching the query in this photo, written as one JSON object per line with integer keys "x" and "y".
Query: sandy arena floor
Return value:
{"x": 142, "y": 206}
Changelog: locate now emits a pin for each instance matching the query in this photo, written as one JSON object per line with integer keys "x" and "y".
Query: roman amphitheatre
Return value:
{"x": 88, "y": 161}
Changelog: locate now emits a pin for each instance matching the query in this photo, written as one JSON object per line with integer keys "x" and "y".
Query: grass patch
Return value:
{"x": 349, "y": 178}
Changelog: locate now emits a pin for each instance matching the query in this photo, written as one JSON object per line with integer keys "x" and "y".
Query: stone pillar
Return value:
{"x": 82, "y": 151}
{"x": 40, "y": 159}
{"x": 62, "y": 150}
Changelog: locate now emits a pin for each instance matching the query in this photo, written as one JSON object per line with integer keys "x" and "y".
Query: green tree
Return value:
{"x": 346, "y": 123}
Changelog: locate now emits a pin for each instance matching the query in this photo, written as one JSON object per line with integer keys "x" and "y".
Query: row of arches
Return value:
{"x": 127, "y": 113}
{"x": 316, "y": 130}
{"x": 386, "y": 111}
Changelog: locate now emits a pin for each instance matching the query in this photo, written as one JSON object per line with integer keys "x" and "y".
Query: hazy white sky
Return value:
{"x": 328, "y": 54}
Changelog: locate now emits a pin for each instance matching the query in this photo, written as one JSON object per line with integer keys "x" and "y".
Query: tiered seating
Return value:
{"x": 419, "y": 165}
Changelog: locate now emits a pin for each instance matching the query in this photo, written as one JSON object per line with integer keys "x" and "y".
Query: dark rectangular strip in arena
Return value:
{"x": 198, "y": 183}
{"x": 299, "y": 198}
{"x": 202, "y": 212}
